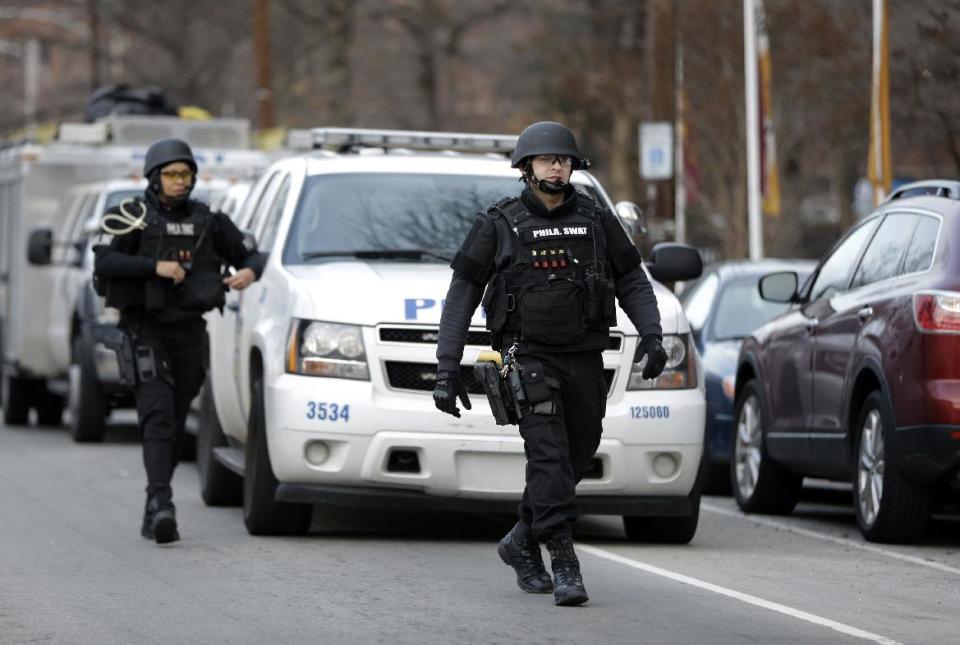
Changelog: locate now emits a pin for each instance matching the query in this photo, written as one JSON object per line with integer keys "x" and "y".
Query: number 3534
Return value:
{"x": 323, "y": 411}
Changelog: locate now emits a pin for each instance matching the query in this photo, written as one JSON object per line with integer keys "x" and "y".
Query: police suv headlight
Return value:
{"x": 317, "y": 348}
{"x": 679, "y": 373}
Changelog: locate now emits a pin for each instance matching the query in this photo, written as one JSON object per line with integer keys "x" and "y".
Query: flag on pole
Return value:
{"x": 770, "y": 173}
{"x": 878, "y": 158}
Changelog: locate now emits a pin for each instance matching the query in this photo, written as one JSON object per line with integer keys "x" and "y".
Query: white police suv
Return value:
{"x": 322, "y": 371}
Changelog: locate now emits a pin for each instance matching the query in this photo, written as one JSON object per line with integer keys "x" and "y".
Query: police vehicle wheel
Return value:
{"x": 262, "y": 513}
{"x": 664, "y": 530}
{"x": 219, "y": 486}
{"x": 86, "y": 401}
{"x": 717, "y": 480}
{"x": 888, "y": 506}
{"x": 669, "y": 530}
{"x": 16, "y": 398}
{"x": 49, "y": 406}
{"x": 760, "y": 485}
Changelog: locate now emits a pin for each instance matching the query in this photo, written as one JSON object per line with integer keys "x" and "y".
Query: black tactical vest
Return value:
{"x": 188, "y": 241}
{"x": 557, "y": 288}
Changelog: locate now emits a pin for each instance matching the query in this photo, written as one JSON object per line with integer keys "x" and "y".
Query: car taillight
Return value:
{"x": 937, "y": 312}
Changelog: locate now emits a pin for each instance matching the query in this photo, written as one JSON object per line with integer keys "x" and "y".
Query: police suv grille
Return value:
{"x": 408, "y": 335}
{"x": 429, "y": 336}
{"x": 423, "y": 377}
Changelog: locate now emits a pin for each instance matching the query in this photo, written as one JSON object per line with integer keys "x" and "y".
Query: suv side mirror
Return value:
{"x": 672, "y": 262}
{"x": 40, "y": 246}
{"x": 779, "y": 287}
{"x": 632, "y": 218}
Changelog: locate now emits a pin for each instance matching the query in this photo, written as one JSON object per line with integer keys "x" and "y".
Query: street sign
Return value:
{"x": 656, "y": 150}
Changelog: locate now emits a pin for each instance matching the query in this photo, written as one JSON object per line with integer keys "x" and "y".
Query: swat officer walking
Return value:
{"x": 547, "y": 265}
{"x": 162, "y": 270}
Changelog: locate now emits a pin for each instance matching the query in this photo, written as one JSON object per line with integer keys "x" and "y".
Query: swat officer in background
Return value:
{"x": 547, "y": 266}
{"x": 162, "y": 270}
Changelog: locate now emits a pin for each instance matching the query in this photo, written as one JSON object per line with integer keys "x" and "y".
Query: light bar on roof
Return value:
{"x": 82, "y": 133}
{"x": 414, "y": 139}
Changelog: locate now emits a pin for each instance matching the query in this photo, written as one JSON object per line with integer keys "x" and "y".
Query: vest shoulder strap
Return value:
{"x": 586, "y": 206}
{"x": 512, "y": 209}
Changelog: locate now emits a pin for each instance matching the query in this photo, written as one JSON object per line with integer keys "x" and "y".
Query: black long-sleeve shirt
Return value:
{"x": 490, "y": 246}
{"x": 119, "y": 260}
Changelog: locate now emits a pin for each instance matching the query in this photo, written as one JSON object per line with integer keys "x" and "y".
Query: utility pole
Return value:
{"x": 754, "y": 216}
{"x": 261, "y": 47}
{"x": 31, "y": 82}
{"x": 93, "y": 16}
{"x": 661, "y": 36}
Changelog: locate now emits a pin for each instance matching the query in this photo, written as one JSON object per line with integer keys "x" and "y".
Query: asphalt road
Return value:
{"x": 73, "y": 569}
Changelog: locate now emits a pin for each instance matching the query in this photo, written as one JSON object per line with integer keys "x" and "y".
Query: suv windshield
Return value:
{"x": 341, "y": 215}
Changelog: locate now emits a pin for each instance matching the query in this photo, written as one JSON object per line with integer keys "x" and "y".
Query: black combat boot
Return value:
{"x": 520, "y": 550}
{"x": 568, "y": 586}
{"x": 160, "y": 519}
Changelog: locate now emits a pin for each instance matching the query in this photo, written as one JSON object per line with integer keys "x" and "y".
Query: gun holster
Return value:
{"x": 121, "y": 342}
{"x": 498, "y": 395}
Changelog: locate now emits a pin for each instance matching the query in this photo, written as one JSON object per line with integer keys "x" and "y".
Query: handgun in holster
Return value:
{"x": 121, "y": 342}
{"x": 487, "y": 372}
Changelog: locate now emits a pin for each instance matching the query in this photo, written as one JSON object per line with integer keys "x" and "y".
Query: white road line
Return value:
{"x": 730, "y": 593}
{"x": 830, "y": 538}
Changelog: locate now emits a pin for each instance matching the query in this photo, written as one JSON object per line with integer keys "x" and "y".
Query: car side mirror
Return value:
{"x": 40, "y": 246}
{"x": 672, "y": 262}
{"x": 632, "y": 218}
{"x": 779, "y": 287}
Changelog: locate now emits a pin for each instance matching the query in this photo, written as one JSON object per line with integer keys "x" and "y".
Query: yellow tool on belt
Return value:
{"x": 490, "y": 355}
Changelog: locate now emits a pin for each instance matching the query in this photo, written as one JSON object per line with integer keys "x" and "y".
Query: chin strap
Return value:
{"x": 129, "y": 221}
{"x": 549, "y": 187}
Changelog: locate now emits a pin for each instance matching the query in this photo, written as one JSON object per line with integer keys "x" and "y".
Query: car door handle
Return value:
{"x": 865, "y": 313}
{"x": 812, "y": 324}
{"x": 233, "y": 305}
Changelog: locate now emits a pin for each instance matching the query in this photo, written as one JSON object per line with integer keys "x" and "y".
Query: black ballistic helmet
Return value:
{"x": 165, "y": 151}
{"x": 547, "y": 138}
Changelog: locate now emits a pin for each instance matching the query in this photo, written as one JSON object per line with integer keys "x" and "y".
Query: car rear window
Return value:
{"x": 920, "y": 254}
{"x": 372, "y": 211}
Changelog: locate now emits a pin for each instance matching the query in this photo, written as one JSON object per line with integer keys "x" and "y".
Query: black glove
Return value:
{"x": 651, "y": 346}
{"x": 449, "y": 387}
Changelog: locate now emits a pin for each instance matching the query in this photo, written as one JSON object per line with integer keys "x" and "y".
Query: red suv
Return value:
{"x": 860, "y": 379}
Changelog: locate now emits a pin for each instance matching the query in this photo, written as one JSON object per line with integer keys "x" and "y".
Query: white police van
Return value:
{"x": 38, "y": 248}
{"x": 322, "y": 371}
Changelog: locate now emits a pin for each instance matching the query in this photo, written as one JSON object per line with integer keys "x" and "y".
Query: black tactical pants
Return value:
{"x": 560, "y": 446}
{"x": 180, "y": 353}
